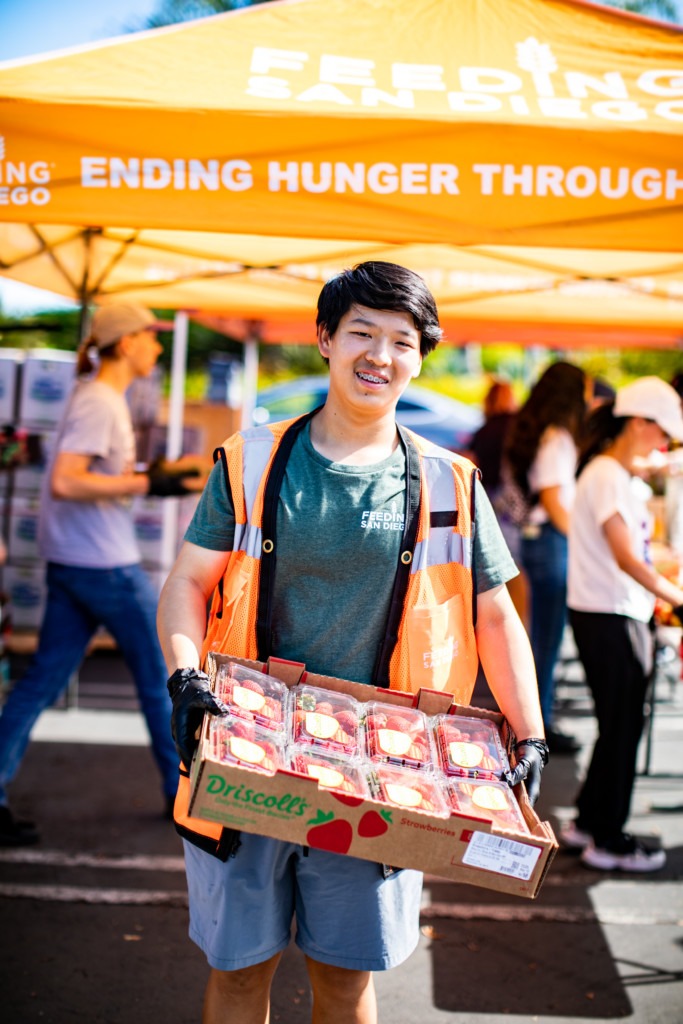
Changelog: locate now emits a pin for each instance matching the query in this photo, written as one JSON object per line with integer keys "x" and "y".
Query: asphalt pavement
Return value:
{"x": 94, "y": 918}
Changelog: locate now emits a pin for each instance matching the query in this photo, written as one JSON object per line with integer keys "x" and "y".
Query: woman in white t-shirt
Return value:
{"x": 542, "y": 456}
{"x": 611, "y": 594}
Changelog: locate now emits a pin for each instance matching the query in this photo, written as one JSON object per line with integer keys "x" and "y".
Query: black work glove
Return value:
{"x": 191, "y": 694}
{"x": 532, "y": 757}
{"x": 165, "y": 481}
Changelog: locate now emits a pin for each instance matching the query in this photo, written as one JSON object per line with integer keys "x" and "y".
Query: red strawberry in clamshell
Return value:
{"x": 347, "y": 720}
{"x": 329, "y": 833}
{"x": 397, "y": 723}
{"x": 251, "y": 684}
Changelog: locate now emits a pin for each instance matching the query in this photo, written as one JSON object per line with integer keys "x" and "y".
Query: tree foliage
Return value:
{"x": 171, "y": 12}
{"x": 665, "y": 10}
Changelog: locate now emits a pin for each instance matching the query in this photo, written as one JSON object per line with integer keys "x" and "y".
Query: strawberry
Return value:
{"x": 397, "y": 723}
{"x": 243, "y": 728}
{"x": 329, "y": 833}
{"x": 373, "y": 824}
{"x": 324, "y": 708}
{"x": 347, "y": 721}
{"x": 251, "y": 684}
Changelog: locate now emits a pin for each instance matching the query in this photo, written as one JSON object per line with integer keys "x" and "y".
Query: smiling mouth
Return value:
{"x": 370, "y": 378}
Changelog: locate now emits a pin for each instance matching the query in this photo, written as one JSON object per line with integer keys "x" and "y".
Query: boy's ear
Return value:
{"x": 416, "y": 371}
{"x": 323, "y": 341}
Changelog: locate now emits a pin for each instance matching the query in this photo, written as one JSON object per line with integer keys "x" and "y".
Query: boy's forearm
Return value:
{"x": 181, "y": 623}
{"x": 508, "y": 664}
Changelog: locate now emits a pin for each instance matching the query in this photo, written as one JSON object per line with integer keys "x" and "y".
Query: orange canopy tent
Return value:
{"x": 526, "y": 157}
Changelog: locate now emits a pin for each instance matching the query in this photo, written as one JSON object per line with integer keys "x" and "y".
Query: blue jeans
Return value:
{"x": 544, "y": 559}
{"x": 78, "y": 601}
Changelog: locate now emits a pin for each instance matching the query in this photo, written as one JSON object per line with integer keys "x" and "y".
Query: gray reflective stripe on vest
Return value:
{"x": 257, "y": 448}
{"x": 442, "y": 544}
{"x": 248, "y": 538}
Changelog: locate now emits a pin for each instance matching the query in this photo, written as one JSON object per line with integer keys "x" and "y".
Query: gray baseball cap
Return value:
{"x": 110, "y": 323}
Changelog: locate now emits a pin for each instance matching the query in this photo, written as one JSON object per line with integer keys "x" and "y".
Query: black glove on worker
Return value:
{"x": 190, "y": 691}
{"x": 532, "y": 757}
{"x": 165, "y": 481}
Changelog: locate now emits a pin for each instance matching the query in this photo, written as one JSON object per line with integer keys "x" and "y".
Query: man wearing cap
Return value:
{"x": 612, "y": 587}
{"x": 86, "y": 535}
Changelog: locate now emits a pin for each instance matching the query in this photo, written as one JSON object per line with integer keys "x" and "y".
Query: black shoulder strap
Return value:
{"x": 264, "y": 615}
{"x": 476, "y": 475}
{"x": 380, "y": 674}
{"x": 219, "y": 455}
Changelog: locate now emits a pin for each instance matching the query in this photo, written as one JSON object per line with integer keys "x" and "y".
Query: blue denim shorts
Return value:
{"x": 347, "y": 913}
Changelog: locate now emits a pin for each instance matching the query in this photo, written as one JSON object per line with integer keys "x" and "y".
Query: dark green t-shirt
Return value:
{"x": 339, "y": 531}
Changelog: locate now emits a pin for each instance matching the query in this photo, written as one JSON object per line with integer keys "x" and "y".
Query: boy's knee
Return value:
{"x": 245, "y": 981}
{"x": 338, "y": 983}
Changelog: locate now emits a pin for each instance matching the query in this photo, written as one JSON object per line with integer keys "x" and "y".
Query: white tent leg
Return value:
{"x": 174, "y": 436}
{"x": 250, "y": 380}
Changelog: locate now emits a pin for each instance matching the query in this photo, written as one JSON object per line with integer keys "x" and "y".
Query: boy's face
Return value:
{"x": 373, "y": 356}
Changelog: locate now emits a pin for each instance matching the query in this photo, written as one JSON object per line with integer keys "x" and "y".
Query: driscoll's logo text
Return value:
{"x": 287, "y": 804}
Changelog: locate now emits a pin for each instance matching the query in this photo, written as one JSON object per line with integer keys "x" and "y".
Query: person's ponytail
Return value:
{"x": 601, "y": 428}
{"x": 85, "y": 362}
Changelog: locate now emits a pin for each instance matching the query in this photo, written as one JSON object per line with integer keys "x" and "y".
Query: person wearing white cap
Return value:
{"x": 612, "y": 587}
{"x": 87, "y": 538}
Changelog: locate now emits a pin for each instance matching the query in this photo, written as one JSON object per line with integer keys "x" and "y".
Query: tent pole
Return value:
{"x": 84, "y": 312}
{"x": 250, "y": 376}
{"x": 174, "y": 438}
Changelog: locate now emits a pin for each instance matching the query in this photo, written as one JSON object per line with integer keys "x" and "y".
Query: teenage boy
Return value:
{"x": 350, "y": 598}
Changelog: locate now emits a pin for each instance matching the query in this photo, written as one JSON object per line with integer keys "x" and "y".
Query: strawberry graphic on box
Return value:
{"x": 329, "y": 833}
{"x": 374, "y": 824}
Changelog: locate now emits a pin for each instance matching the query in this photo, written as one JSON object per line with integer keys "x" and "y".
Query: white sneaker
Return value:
{"x": 638, "y": 859}
{"x": 573, "y": 838}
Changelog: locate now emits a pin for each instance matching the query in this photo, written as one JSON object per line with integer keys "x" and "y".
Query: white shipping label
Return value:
{"x": 504, "y": 856}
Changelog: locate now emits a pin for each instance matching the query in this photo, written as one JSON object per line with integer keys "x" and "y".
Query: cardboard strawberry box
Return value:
{"x": 293, "y": 805}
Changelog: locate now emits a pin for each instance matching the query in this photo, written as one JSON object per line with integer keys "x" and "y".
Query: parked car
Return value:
{"x": 440, "y": 419}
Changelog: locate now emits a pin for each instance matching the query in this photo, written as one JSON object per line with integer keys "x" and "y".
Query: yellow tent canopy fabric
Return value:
{"x": 526, "y": 157}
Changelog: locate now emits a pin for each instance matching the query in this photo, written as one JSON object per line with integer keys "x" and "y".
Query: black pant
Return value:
{"x": 610, "y": 648}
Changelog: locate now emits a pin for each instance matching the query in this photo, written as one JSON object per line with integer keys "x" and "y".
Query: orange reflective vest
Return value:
{"x": 429, "y": 639}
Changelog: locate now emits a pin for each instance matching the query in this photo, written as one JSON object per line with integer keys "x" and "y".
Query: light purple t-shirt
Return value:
{"x": 91, "y": 534}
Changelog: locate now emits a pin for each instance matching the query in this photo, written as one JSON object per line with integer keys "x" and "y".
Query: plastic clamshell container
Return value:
{"x": 253, "y": 695}
{"x": 325, "y": 720}
{"x": 469, "y": 747}
{"x": 237, "y": 741}
{"x": 332, "y": 772}
{"x": 486, "y": 798}
{"x": 406, "y": 788}
{"x": 397, "y": 736}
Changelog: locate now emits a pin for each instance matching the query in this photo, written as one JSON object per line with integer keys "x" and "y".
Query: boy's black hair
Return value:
{"x": 380, "y": 285}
